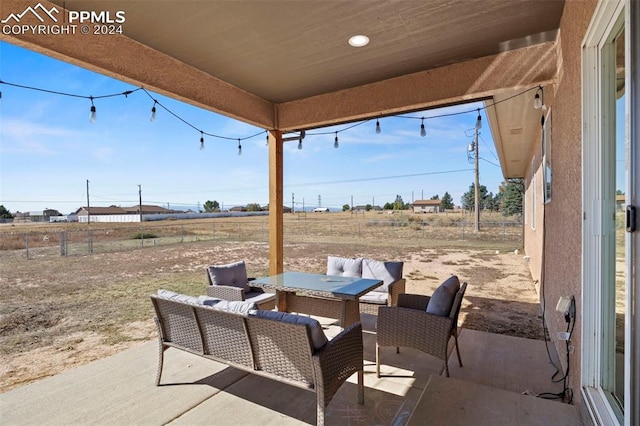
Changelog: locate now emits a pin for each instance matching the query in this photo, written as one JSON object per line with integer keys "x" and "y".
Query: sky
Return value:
{"x": 49, "y": 149}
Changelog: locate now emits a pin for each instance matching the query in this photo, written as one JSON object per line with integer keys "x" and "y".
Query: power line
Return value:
{"x": 377, "y": 178}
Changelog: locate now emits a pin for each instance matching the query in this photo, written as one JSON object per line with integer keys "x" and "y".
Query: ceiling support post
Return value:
{"x": 276, "y": 203}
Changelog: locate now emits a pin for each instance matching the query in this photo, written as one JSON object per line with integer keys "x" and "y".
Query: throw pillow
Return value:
{"x": 388, "y": 272}
{"x": 442, "y": 298}
{"x": 344, "y": 267}
{"x": 233, "y": 274}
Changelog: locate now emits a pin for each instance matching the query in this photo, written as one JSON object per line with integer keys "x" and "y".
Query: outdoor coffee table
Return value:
{"x": 317, "y": 294}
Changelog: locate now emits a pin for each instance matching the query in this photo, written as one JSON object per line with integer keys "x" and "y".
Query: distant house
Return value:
{"x": 285, "y": 209}
{"x": 149, "y": 209}
{"x": 426, "y": 206}
{"x": 238, "y": 209}
{"x": 50, "y": 212}
{"x": 100, "y": 211}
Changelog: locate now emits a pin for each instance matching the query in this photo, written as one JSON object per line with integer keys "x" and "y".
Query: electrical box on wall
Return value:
{"x": 564, "y": 304}
{"x": 567, "y": 306}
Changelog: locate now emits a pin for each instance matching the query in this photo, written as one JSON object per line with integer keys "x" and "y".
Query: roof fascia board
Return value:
{"x": 456, "y": 83}
{"x": 124, "y": 59}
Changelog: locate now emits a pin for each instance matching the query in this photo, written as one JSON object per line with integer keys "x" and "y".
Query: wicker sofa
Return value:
{"x": 284, "y": 347}
{"x": 389, "y": 272}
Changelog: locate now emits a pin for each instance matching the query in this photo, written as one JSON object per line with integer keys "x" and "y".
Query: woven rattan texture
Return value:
{"x": 224, "y": 336}
{"x": 274, "y": 349}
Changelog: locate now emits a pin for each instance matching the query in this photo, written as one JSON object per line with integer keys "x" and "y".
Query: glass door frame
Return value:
{"x": 597, "y": 99}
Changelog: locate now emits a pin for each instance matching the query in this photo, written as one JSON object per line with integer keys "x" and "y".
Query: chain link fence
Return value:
{"x": 76, "y": 240}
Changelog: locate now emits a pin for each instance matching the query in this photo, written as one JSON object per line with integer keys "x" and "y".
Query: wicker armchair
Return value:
{"x": 230, "y": 282}
{"x": 410, "y": 325}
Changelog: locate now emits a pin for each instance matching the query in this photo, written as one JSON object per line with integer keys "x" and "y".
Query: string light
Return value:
{"x": 92, "y": 113}
{"x": 239, "y": 148}
{"x": 335, "y": 142}
{"x": 538, "y": 99}
{"x": 538, "y": 104}
{"x": 153, "y": 111}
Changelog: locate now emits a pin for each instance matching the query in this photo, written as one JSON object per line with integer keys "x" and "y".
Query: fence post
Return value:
{"x": 463, "y": 230}
{"x": 504, "y": 231}
{"x": 26, "y": 243}
{"x": 90, "y": 241}
{"x": 63, "y": 243}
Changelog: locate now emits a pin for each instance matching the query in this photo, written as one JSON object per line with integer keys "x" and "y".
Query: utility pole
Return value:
{"x": 140, "y": 201}
{"x": 293, "y": 206}
{"x": 477, "y": 171}
{"x": 88, "y": 209}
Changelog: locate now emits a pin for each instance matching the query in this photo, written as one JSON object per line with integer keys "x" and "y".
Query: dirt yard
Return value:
{"x": 62, "y": 312}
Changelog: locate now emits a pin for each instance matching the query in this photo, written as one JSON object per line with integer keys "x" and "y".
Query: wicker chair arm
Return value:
{"x": 413, "y": 328}
{"x": 413, "y": 301}
{"x": 338, "y": 360}
{"x": 395, "y": 289}
{"x": 225, "y": 292}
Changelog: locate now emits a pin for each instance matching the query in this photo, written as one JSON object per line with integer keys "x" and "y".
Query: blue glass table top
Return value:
{"x": 318, "y": 284}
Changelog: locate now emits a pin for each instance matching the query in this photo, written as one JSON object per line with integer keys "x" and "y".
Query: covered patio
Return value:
{"x": 491, "y": 388}
{"x": 287, "y": 67}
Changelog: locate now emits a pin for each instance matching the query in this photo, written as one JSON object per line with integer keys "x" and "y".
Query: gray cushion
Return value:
{"x": 236, "y": 306}
{"x": 172, "y": 295}
{"x": 344, "y": 267}
{"x": 388, "y": 272}
{"x": 376, "y": 297}
{"x": 233, "y": 274}
{"x": 207, "y": 300}
{"x": 318, "y": 337}
{"x": 442, "y": 299}
{"x": 259, "y": 296}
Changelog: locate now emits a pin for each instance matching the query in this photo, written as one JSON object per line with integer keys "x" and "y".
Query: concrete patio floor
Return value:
{"x": 120, "y": 390}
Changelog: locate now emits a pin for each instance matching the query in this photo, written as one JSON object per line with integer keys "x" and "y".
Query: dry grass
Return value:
{"x": 57, "y": 312}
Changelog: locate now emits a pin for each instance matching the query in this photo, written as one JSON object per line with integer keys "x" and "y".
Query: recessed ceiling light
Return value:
{"x": 359, "y": 40}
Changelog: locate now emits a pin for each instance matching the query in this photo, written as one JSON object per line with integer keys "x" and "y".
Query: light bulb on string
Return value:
{"x": 267, "y": 143}
{"x": 335, "y": 142}
{"x": 479, "y": 121}
{"x": 300, "y": 144}
{"x": 538, "y": 100}
{"x": 92, "y": 113}
{"x": 378, "y": 130}
{"x": 153, "y": 111}
{"x": 201, "y": 140}
{"x": 423, "y": 131}
{"x": 239, "y": 148}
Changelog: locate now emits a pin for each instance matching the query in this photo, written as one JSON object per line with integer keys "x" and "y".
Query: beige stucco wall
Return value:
{"x": 563, "y": 228}
{"x": 534, "y": 212}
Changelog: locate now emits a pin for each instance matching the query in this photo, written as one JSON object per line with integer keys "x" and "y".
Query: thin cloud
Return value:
{"x": 22, "y": 136}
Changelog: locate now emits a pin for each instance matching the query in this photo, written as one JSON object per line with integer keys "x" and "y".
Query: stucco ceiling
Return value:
{"x": 287, "y": 50}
